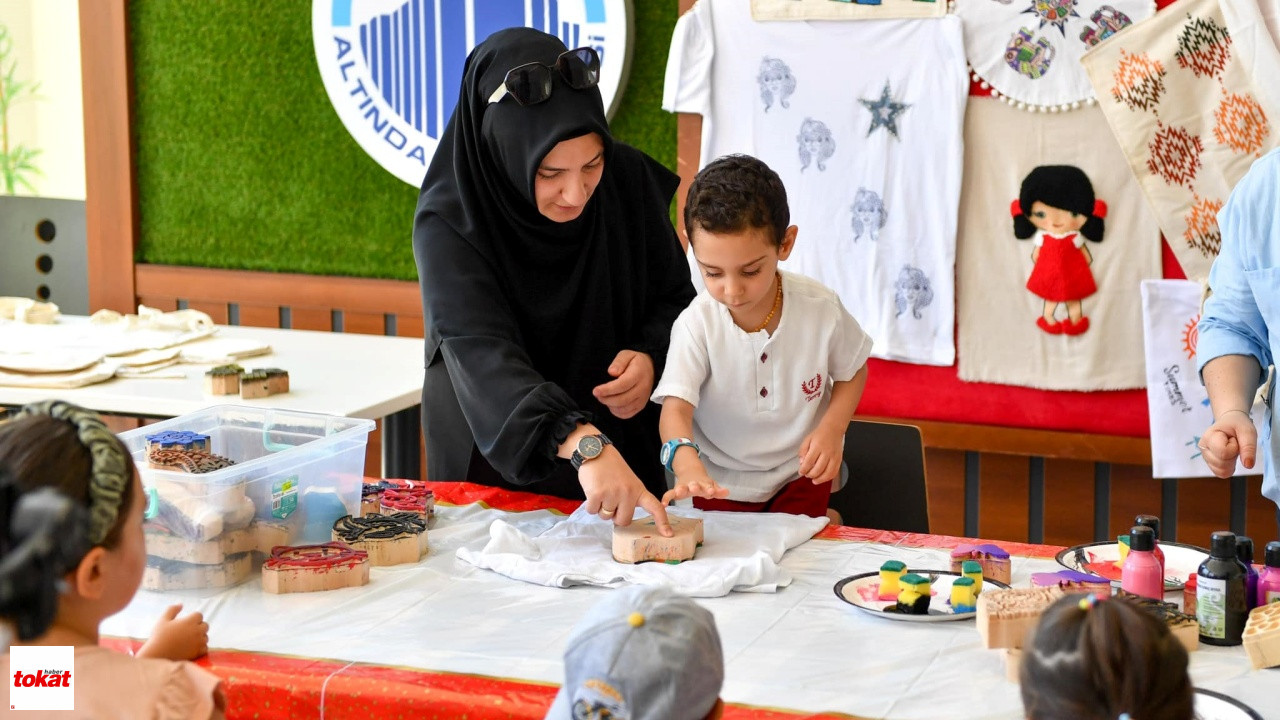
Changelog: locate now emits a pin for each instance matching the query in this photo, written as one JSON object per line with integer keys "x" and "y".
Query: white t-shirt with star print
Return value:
{"x": 863, "y": 121}
{"x": 756, "y": 396}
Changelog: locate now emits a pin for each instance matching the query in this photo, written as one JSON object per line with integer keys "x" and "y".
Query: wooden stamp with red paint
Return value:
{"x": 407, "y": 496}
{"x": 309, "y": 568}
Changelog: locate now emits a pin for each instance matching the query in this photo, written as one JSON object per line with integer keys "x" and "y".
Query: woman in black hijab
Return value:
{"x": 551, "y": 275}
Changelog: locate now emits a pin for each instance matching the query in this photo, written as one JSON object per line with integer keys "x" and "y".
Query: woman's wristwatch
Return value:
{"x": 589, "y": 448}
{"x": 667, "y": 454}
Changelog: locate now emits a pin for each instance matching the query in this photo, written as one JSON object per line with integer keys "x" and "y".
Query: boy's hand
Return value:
{"x": 695, "y": 484}
{"x": 629, "y": 392}
{"x": 185, "y": 638}
{"x": 820, "y": 454}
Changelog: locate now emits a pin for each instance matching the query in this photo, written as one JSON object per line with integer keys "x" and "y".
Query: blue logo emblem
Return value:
{"x": 392, "y": 68}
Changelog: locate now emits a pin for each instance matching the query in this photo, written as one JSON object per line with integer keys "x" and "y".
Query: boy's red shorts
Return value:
{"x": 798, "y": 497}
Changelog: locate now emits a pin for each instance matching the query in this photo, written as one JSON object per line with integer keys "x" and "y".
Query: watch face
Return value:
{"x": 590, "y": 446}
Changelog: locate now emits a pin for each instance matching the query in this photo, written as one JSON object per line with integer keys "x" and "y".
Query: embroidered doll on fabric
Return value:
{"x": 815, "y": 143}
{"x": 912, "y": 291}
{"x": 776, "y": 83}
{"x": 1056, "y": 206}
{"x": 869, "y": 214}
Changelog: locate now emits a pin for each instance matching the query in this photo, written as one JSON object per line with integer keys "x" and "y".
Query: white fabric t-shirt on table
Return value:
{"x": 760, "y": 86}
{"x": 757, "y": 396}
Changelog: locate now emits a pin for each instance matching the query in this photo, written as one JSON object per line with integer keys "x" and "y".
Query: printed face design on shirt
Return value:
{"x": 912, "y": 291}
{"x": 1055, "y": 221}
{"x": 776, "y": 83}
{"x": 568, "y": 176}
{"x": 816, "y": 143}
{"x": 739, "y": 269}
{"x": 869, "y": 214}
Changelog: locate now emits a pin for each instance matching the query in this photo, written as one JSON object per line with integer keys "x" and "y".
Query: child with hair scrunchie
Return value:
{"x": 1104, "y": 659}
{"x": 53, "y": 452}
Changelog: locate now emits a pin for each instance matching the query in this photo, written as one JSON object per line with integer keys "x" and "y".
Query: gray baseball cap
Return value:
{"x": 642, "y": 653}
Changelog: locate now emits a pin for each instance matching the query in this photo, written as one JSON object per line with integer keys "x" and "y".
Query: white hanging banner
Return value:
{"x": 1176, "y": 400}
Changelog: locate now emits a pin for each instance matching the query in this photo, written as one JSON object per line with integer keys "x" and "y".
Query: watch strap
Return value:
{"x": 669, "y": 448}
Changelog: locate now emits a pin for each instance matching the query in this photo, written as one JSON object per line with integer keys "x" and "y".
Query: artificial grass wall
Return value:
{"x": 242, "y": 162}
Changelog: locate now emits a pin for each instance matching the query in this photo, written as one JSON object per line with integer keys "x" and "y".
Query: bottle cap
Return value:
{"x": 1244, "y": 550}
{"x": 1273, "y": 554}
{"x": 1141, "y": 539}
{"x": 1222, "y": 545}
{"x": 1150, "y": 521}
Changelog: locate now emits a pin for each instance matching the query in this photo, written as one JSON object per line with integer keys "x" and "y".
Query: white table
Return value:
{"x": 347, "y": 374}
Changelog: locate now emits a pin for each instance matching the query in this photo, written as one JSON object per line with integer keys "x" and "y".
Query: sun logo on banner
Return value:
{"x": 1190, "y": 334}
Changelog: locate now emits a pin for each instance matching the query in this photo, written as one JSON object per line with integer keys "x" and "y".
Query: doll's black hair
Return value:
{"x": 1062, "y": 186}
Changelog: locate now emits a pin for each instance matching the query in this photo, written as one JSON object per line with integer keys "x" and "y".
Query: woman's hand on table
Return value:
{"x": 177, "y": 638}
{"x": 614, "y": 492}
{"x": 629, "y": 391}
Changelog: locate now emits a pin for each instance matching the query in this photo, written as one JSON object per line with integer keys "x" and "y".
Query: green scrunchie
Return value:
{"x": 109, "y": 474}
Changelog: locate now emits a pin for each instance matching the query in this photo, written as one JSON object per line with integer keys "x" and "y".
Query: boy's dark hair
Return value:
{"x": 734, "y": 193}
{"x": 1102, "y": 660}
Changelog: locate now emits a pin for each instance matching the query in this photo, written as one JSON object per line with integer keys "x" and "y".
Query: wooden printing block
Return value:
{"x": 389, "y": 539}
{"x": 164, "y": 574}
{"x": 370, "y": 499}
{"x": 1186, "y": 628}
{"x": 1262, "y": 636}
{"x": 277, "y": 380}
{"x": 310, "y": 568}
{"x": 407, "y": 496}
{"x": 254, "y": 384}
{"x": 269, "y": 534}
{"x": 640, "y": 541}
{"x": 993, "y": 558}
{"x": 178, "y": 440}
{"x": 188, "y": 461}
{"x": 1012, "y": 665}
{"x": 223, "y": 380}
{"x": 1005, "y": 616}
{"x": 163, "y": 544}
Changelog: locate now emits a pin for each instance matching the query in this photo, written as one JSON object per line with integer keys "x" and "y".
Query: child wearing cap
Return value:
{"x": 642, "y": 653}
{"x": 765, "y": 368}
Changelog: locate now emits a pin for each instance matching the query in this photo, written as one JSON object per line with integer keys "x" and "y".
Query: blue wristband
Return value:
{"x": 668, "y": 452}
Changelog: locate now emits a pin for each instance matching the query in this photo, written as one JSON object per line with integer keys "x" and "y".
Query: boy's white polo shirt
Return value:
{"x": 756, "y": 396}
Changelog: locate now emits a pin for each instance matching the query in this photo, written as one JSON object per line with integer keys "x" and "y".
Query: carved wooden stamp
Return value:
{"x": 277, "y": 380}
{"x": 178, "y": 440}
{"x": 389, "y": 539}
{"x": 189, "y": 461}
{"x": 254, "y": 384}
{"x": 1184, "y": 627}
{"x": 993, "y": 558}
{"x": 640, "y": 541}
{"x": 166, "y": 545}
{"x": 1005, "y": 616}
{"x": 1262, "y": 636}
{"x": 223, "y": 380}
{"x": 309, "y": 568}
{"x": 162, "y": 574}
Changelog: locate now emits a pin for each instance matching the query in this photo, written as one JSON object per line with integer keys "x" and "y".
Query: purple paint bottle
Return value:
{"x": 1269, "y": 578}
{"x": 1142, "y": 574}
{"x": 1244, "y": 552}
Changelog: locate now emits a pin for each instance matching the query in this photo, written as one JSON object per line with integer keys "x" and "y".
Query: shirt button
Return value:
{"x": 764, "y": 392}
{"x": 764, "y": 356}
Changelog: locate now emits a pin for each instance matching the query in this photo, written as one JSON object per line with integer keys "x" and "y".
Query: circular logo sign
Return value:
{"x": 392, "y": 68}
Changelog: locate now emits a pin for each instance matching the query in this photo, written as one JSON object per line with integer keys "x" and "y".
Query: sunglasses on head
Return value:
{"x": 530, "y": 84}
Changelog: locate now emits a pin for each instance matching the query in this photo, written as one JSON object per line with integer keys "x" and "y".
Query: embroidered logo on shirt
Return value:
{"x": 812, "y": 388}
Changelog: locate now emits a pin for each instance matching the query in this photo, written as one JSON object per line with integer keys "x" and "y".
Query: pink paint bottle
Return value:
{"x": 1153, "y": 522}
{"x": 1141, "y": 574}
{"x": 1269, "y": 578}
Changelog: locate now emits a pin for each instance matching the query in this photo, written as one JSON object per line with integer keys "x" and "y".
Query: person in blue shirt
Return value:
{"x": 1239, "y": 331}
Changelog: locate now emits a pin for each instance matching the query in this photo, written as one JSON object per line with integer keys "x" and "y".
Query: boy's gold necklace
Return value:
{"x": 777, "y": 303}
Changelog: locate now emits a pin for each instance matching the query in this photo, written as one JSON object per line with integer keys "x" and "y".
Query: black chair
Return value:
{"x": 885, "y": 489}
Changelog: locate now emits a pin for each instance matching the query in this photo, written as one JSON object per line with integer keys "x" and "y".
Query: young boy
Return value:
{"x": 766, "y": 368}
{"x": 642, "y": 653}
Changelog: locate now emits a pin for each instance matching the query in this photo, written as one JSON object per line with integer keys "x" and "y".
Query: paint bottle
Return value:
{"x": 1141, "y": 574}
{"x": 1220, "y": 588}
{"x": 1153, "y": 522}
{"x": 1269, "y": 578}
{"x": 1244, "y": 551}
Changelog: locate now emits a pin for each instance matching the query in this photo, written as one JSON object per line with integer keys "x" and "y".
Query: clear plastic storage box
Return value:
{"x": 295, "y": 473}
